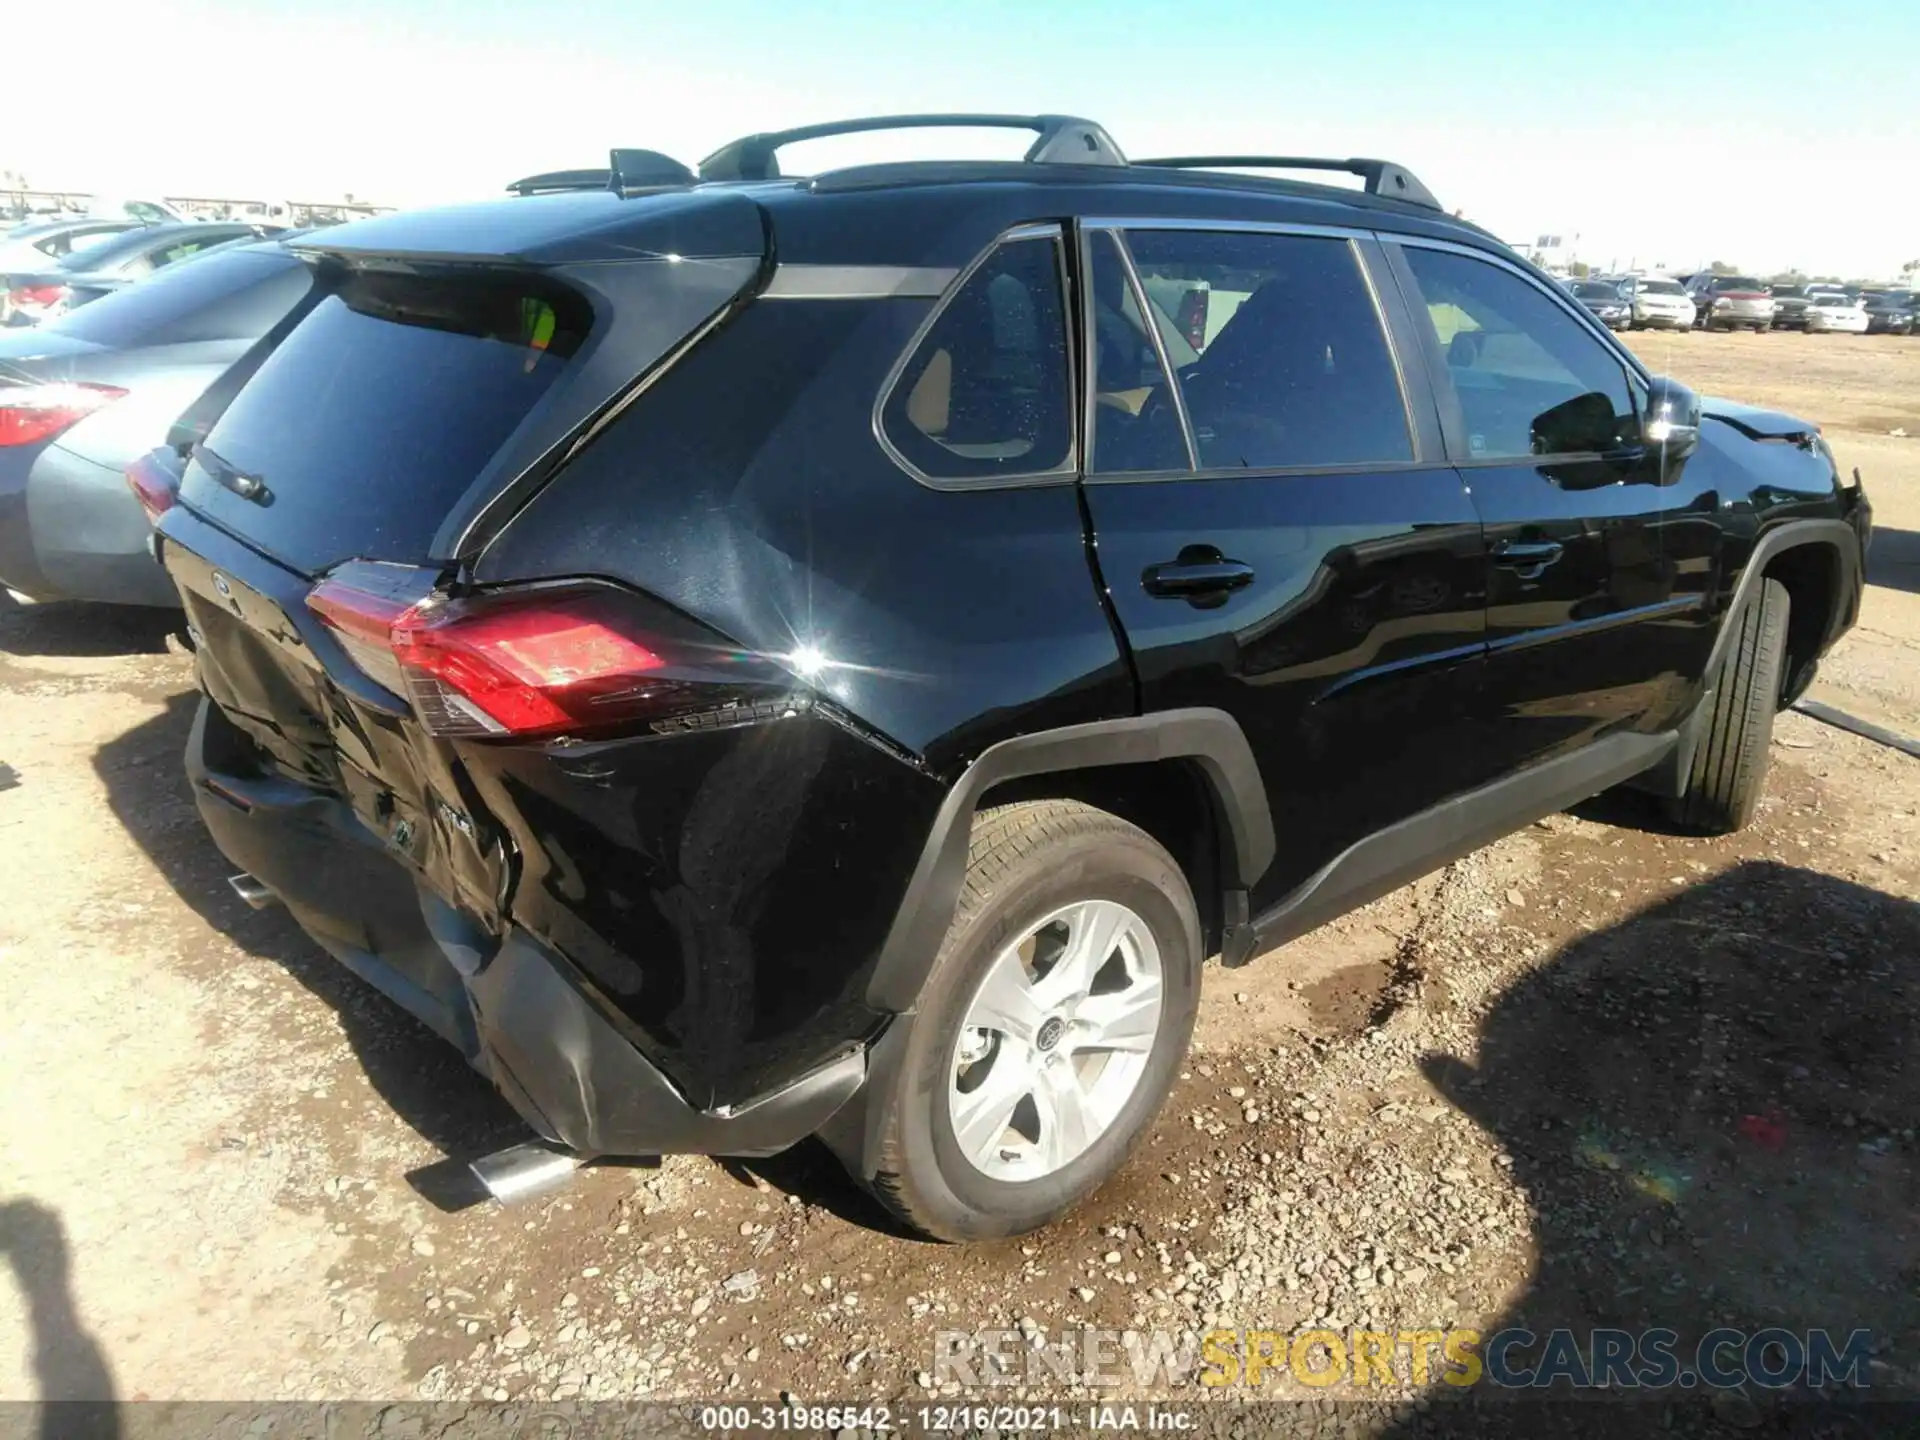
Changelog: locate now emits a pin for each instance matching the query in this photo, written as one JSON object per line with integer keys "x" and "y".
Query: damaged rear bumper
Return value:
{"x": 508, "y": 1002}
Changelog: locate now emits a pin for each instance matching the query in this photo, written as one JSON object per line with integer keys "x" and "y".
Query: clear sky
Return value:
{"x": 1764, "y": 134}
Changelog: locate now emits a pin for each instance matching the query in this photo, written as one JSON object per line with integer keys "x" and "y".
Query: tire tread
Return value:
{"x": 1730, "y": 762}
{"x": 1003, "y": 839}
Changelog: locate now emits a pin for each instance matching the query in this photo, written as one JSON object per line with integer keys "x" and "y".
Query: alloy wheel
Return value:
{"x": 1055, "y": 1041}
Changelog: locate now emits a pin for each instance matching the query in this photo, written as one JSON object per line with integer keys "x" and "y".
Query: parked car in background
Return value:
{"x": 1837, "y": 314}
{"x": 37, "y": 244}
{"x": 144, "y": 212}
{"x": 1604, "y": 299}
{"x": 85, "y": 275}
{"x": 683, "y": 686}
{"x": 85, "y": 396}
{"x": 1661, "y": 304}
{"x": 1890, "y": 312}
{"x": 1731, "y": 302}
{"x": 1790, "y": 307}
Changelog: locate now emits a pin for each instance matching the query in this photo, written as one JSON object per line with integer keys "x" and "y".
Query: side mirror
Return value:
{"x": 1671, "y": 426}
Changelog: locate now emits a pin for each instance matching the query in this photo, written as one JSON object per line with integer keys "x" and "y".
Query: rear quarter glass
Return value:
{"x": 379, "y": 410}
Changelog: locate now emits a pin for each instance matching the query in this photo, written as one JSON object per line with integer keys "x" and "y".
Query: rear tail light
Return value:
{"x": 153, "y": 486}
{"x": 35, "y": 412}
{"x": 547, "y": 661}
{"x": 41, "y": 297}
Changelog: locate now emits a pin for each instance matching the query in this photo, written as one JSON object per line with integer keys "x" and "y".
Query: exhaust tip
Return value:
{"x": 521, "y": 1172}
{"x": 253, "y": 892}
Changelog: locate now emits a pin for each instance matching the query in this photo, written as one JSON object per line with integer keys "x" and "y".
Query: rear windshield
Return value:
{"x": 1787, "y": 292}
{"x": 1596, "y": 290}
{"x": 110, "y": 252}
{"x": 229, "y": 295}
{"x": 1841, "y": 300}
{"x": 1663, "y": 287}
{"x": 385, "y": 403}
{"x": 1737, "y": 282}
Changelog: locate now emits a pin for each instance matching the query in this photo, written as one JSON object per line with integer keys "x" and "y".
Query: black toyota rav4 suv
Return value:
{"x": 746, "y": 657}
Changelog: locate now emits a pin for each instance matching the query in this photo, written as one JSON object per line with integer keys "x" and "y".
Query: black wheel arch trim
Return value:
{"x": 1210, "y": 739}
{"x": 1837, "y": 535}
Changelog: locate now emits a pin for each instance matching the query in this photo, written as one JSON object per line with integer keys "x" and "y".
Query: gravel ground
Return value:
{"x": 1594, "y": 1075}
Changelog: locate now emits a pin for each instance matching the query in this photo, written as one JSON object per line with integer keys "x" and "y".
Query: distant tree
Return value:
{"x": 1579, "y": 269}
{"x": 1721, "y": 267}
{"x": 1787, "y": 277}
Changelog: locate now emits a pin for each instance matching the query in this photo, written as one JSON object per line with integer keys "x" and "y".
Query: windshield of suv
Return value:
{"x": 1838, "y": 301}
{"x": 1787, "y": 292}
{"x": 1662, "y": 287}
{"x": 1737, "y": 282}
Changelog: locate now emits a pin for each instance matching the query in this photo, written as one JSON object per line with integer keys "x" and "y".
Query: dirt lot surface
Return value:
{"x": 1597, "y": 1074}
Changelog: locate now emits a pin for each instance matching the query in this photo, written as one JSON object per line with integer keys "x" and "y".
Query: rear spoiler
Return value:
{"x": 627, "y": 172}
{"x": 554, "y": 182}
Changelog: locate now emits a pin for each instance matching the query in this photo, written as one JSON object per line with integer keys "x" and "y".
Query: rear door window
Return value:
{"x": 1136, "y": 418}
{"x": 359, "y": 433}
{"x": 1289, "y": 364}
{"x": 985, "y": 395}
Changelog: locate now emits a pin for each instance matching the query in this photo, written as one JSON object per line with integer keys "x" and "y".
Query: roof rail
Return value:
{"x": 1383, "y": 177}
{"x": 1063, "y": 140}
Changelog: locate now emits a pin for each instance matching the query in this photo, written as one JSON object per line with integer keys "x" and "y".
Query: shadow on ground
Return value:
{"x": 1893, "y": 560}
{"x": 418, "y": 1074}
{"x": 71, "y": 1377}
{"x": 414, "y": 1071}
{"x": 77, "y": 629}
{"x": 1710, "y": 1107}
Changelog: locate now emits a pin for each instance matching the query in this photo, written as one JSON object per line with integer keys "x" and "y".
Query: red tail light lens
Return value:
{"x": 35, "y": 412}
{"x": 152, "y": 486}
{"x": 41, "y": 297}
{"x": 544, "y": 662}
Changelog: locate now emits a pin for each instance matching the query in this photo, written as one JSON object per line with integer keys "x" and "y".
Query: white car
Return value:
{"x": 1827, "y": 311}
{"x": 1661, "y": 303}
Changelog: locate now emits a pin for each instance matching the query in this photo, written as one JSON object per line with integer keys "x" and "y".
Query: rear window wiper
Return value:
{"x": 247, "y": 487}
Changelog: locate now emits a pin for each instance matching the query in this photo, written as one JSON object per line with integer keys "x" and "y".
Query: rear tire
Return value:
{"x": 1033, "y": 869}
{"x": 1729, "y": 769}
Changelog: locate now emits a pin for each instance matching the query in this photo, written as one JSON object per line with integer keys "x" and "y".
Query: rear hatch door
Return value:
{"x": 452, "y": 364}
